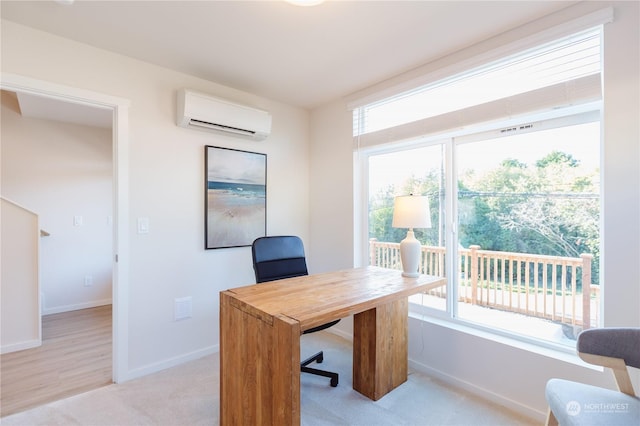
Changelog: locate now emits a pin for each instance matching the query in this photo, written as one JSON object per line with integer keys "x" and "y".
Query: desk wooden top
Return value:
{"x": 313, "y": 300}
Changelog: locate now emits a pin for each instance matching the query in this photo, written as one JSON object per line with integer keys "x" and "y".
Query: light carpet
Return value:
{"x": 189, "y": 395}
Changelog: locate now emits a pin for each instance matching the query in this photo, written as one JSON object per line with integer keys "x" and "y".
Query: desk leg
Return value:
{"x": 380, "y": 349}
{"x": 259, "y": 366}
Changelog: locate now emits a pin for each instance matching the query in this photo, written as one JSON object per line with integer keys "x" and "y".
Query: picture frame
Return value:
{"x": 235, "y": 197}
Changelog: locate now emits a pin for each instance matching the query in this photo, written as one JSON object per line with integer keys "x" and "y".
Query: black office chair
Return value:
{"x": 281, "y": 257}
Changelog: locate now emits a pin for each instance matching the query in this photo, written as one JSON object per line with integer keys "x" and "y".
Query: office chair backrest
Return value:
{"x": 278, "y": 257}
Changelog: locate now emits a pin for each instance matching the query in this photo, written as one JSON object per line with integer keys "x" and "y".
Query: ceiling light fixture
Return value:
{"x": 305, "y": 2}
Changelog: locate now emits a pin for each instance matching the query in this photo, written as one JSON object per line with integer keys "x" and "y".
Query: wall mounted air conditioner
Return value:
{"x": 204, "y": 112}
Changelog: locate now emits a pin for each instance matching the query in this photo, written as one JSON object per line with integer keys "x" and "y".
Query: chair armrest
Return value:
{"x": 623, "y": 381}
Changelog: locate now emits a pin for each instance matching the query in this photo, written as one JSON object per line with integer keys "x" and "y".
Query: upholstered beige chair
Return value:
{"x": 572, "y": 403}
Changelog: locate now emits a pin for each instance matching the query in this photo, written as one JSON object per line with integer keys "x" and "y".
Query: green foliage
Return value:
{"x": 551, "y": 208}
{"x": 557, "y": 158}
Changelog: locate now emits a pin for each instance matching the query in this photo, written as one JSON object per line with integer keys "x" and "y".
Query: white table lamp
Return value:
{"x": 411, "y": 211}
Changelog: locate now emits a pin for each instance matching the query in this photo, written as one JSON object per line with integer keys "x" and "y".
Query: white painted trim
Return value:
{"x": 14, "y": 347}
{"x": 19, "y": 206}
{"x": 120, "y": 108}
{"x": 554, "y": 351}
{"x": 19, "y": 83}
{"x": 485, "y": 394}
{"x": 120, "y": 293}
{"x": 341, "y": 333}
{"x": 461, "y": 384}
{"x": 75, "y": 307}
{"x": 39, "y": 278}
{"x": 171, "y": 362}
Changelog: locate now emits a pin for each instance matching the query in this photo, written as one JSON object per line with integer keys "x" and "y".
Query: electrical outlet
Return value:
{"x": 182, "y": 308}
{"x": 88, "y": 280}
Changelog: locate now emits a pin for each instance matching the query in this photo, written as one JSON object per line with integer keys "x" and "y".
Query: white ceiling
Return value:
{"x": 303, "y": 56}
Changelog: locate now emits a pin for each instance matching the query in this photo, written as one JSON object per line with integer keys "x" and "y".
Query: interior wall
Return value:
{"x": 499, "y": 369}
{"x": 331, "y": 204}
{"x": 60, "y": 171}
{"x": 166, "y": 175}
{"x": 20, "y": 326}
{"x": 166, "y": 185}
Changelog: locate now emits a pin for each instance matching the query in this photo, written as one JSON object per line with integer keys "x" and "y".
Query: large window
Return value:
{"x": 528, "y": 231}
{"x": 419, "y": 171}
{"x": 515, "y": 202}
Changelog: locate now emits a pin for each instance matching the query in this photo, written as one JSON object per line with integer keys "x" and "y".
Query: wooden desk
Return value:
{"x": 260, "y": 328}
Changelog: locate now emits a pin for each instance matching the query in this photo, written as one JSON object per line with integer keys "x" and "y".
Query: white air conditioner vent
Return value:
{"x": 210, "y": 113}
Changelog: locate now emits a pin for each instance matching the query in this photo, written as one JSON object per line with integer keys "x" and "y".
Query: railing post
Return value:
{"x": 586, "y": 290}
{"x": 474, "y": 273}
{"x": 373, "y": 261}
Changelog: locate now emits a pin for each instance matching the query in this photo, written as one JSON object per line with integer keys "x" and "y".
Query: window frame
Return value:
{"x": 561, "y": 118}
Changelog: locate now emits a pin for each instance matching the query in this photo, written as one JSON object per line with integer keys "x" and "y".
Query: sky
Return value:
{"x": 229, "y": 165}
{"x": 581, "y": 141}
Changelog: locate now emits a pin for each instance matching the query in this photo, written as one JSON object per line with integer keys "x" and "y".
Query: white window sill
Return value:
{"x": 543, "y": 348}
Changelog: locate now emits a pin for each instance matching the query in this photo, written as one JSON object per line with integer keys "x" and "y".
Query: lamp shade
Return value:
{"x": 411, "y": 211}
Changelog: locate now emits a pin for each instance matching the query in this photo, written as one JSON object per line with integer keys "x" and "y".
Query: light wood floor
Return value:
{"x": 75, "y": 357}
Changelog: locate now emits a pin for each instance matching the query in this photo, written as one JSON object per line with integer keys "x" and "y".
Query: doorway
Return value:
{"x": 119, "y": 255}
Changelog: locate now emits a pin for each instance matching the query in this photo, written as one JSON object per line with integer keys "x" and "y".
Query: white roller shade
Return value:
{"x": 562, "y": 73}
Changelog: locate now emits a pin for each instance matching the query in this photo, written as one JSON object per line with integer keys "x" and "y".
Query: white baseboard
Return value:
{"x": 75, "y": 307}
{"x": 14, "y": 347}
{"x": 338, "y": 332}
{"x": 168, "y": 363}
{"x": 461, "y": 384}
{"x": 480, "y": 392}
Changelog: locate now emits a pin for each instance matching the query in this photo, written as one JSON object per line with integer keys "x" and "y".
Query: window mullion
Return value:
{"x": 451, "y": 220}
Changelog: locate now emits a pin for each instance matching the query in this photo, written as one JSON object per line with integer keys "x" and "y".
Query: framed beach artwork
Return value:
{"x": 235, "y": 197}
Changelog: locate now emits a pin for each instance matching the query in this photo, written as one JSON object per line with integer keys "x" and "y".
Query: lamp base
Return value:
{"x": 410, "y": 255}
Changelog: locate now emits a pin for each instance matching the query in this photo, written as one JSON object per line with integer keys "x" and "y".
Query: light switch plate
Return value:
{"x": 143, "y": 225}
